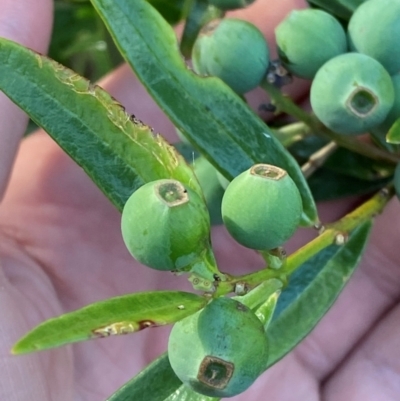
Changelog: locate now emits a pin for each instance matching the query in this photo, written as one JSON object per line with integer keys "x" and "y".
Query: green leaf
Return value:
{"x": 312, "y": 290}
{"x": 311, "y": 293}
{"x": 155, "y": 383}
{"x": 200, "y": 14}
{"x": 118, "y": 152}
{"x": 329, "y": 185}
{"x": 342, "y": 160}
{"x": 211, "y": 116}
{"x": 340, "y": 8}
{"x": 184, "y": 393}
{"x": 393, "y": 136}
{"x": 120, "y": 315}
{"x": 355, "y": 165}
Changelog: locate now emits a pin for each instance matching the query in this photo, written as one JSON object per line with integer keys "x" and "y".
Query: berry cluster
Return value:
{"x": 221, "y": 350}
{"x": 166, "y": 226}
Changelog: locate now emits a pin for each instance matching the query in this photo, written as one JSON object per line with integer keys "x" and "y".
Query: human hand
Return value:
{"x": 61, "y": 249}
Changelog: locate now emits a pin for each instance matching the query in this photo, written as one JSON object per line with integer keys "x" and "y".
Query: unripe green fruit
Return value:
{"x": 261, "y": 208}
{"x": 394, "y": 112}
{"x": 166, "y": 225}
{"x": 230, "y": 4}
{"x": 307, "y": 39}
{"x": 233, "y": 50}
{"x": 374, "y": 29}
{"x": 219, "y": 351}
{"x": 352, "y": 93}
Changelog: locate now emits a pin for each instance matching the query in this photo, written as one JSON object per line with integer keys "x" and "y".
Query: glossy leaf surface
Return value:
{"x": 311, "y": 293}
{"x": 212, "y": 117}
{"x": 114, "y": 316}
{"x": 119, "y": 153}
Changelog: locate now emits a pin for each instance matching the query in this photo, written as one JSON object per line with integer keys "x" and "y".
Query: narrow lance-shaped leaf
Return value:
{"x": 200, "y": 14}
{"x": 120, "y": 315}
{"x": 206, "y": 110}
{"x": 156, "y": 383}
{"x": 118, "y": 152}
{"x": 310, "y": 301}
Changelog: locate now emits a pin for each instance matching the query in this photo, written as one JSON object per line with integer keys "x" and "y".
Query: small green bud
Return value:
{"x": 233, "y": 50}
{"x": 352, "y": 93}
{"x": 230, "y": 4}
{"x": 219, "y": 351}
{"x": 166, "y": 225}
{"x": 307, "y": 39}
{"x": 261, "y": 208}
{"x": 374, "y": 29}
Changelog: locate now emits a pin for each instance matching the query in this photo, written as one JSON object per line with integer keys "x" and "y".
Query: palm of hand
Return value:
{"x": 61, "y": 249}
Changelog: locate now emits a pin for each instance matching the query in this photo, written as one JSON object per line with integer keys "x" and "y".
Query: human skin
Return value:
{"x": 61, "y": 249}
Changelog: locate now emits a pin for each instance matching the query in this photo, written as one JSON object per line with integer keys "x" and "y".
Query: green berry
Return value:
{"x": 261, "y": 208}
{"x": 352, "y": 93}
{"x": 233, "y": 50}
{"x": 230, "y": 4}
{"x": 166, "y": 225}
{"x": 307, "y": 39}
{"x": 219, "y": 351}
{"x": 394, "y": 112}
{"x": 374, "y": 29}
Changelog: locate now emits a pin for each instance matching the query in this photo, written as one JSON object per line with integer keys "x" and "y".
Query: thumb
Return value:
{"x": 29, "y": 23}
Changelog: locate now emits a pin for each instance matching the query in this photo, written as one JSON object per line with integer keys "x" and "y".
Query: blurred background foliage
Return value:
{"x": 81, "y": 42}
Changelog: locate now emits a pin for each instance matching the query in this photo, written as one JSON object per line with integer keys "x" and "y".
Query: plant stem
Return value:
{"x": 335, "y": 233}
{"x": 338, "y": 232}
{"x": 291, "y": 133}
{"x": 285, "y": 104}
{"x": 317, "y": 159}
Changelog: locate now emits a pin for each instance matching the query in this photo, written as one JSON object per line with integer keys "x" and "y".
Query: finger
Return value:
{"x": 26, "y": 298}
{"x": 373, "y": 370}
{"x": 27, "y": 22}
